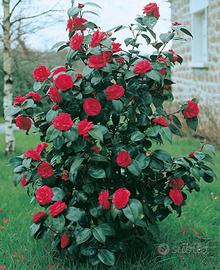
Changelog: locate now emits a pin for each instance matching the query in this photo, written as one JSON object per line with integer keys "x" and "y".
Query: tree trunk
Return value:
{"x": 7, "y": 68}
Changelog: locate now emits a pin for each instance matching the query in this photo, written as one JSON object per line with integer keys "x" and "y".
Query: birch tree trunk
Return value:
{"x": 7, "y": 68}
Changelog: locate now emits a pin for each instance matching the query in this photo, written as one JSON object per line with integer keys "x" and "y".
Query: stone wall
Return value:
{"x": 203, "y": 83}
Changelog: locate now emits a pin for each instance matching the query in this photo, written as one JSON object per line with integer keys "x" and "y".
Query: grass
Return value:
{"x": 193, "y": 239}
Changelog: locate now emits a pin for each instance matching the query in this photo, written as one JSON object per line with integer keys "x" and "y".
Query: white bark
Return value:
{"x": 7, "y": 68}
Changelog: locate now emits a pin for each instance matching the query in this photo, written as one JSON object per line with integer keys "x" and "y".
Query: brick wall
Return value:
{"x": 193, "y": 82}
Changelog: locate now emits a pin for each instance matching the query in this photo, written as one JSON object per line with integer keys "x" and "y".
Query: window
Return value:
{"x": 199, "y": 30}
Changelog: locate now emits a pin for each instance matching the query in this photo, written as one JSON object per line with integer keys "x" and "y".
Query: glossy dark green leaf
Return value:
{"x": 107, "y": 257}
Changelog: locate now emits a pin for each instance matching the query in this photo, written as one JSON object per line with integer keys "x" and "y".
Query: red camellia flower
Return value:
{"x": 160, "y": 120}
{"x": 91, "y": 106}
{"x": 55, "y": 107}
{"x": 120, "y": 60}
{"x": 23, "y": 181}
{"x": 114, "y": 91}
{"x": 152, "y": 9}
{"x": 41, "y": 73}
{"x": 163, "y": 72}
{"x": 54, "y": 95}
{"x": 45, "y": 170}
{"x": 33, "y": 154}
{"x": 120, "y": 198}
{"x": 142, "y": 67}
{"x": 78, "y": 76}
{"x": 104, "y": 199}
{"x": 64, "y": 82}
{"x": 192, "y": 109}
{"x": 44, "y": 195}
{"x": 34, "y": 95}
{"x": 57, "y": 208}
{"x": 97, "y": 37}
{"x": 23, "y": 122}
{"x": 76, "y": 24}
{"x": 84, "y": 127}
{"x": 162, "y": 59}
{"x": 176, "y": 196}
{"x": 63, "y": 121}
{"x": 76, "y": 41}
{"x": 175, "y": 56}
{"x": 123, "y": 159}
{"x": 41, "y": 146}
{"x": 107, "y": 55}
{"x": 96, "y": 149}
{"x": 65, "y": 175}
{"x": 176, "y": 183}
{"x": 18, "y": 100}
{"x": 116, "y": 47}
{"x": 191, "y": 154}
{"x": 40, "y": 217}
{"x": 176, "y": 24}
{"x": 58, "y": 70}
{"x": 97, "y": 61}
{"x": 64, "y": 240}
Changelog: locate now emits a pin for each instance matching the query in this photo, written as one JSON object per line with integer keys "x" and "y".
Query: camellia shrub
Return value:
{"x": 100, "y": 173}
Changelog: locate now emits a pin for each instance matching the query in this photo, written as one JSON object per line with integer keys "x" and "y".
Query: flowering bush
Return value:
{"x": 98, "y": 173}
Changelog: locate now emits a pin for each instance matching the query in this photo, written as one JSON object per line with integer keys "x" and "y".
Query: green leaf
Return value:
{"x": 15, "y": 161}
{"x": 53, "y": 133}
{"x": 192, "y": 123}
{"x": 58, "y": 142}
{"x": 90, "y": 25}
{"x": 98, "y": 234}
{"x": 93, "y": 4}
{"x": 129, "y": 75}
{"x": 129, "y": 41}
{"x": 28, "y": 104}
{"x": 11, "y": 111}
{"x": 137, "y": 136}
{"x": 58, "y": 194}
{"x": 87, "y": 71}
{"x": 34, "y": 228}
{"x": 88, "y": 251}
{"x": 107, "y": 257}
{"x": 208, "y": 148}
{"x": 98, "y": 158}
{"x": 97, "y": 133}
{"x": 149, "y": 21}
{"x": 76, "y": 165}
{"x": 166, "y": 133}
{"x": 117, "y": 105}
{"x": 143, "y": 161}
{"x": 185, "y": 31}
{"x": 134, "y": 168}
{"x": 58, "y": 223}
{"x": 71, "y": 134}
{"x": 37, "y": 86}
{"x": 162, "y": 155}
{"x": 74, "y": 214}
{"x": 73, "y": 12}
{"x": 51, "y": 115}
{"x": 166, "y": 37}
{"x": 107, "y": 229}
{"x": 96, "y": 172}
{"x": 107, "y": 43}
{"x": 154, "y": 75}
{"x": 58, "y": 44}
{"x": 90, "y": 12}
{"x": 148, "y": 40}
{"x": 83, "y": 235}
{"x": 133, "y": 211}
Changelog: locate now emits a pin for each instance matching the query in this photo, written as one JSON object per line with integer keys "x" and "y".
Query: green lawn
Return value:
{"x": 193, "y": 238}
